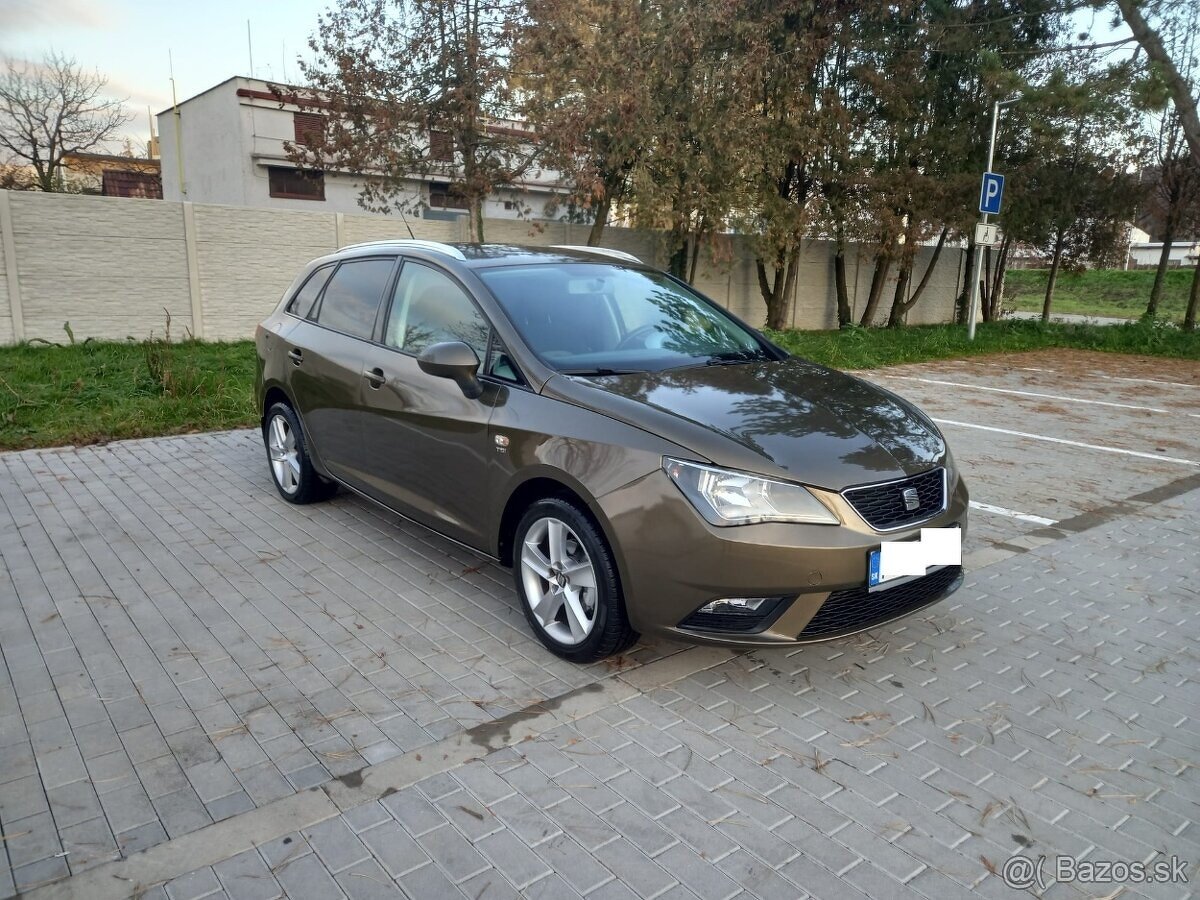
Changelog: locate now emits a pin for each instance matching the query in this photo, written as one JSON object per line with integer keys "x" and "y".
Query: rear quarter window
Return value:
{"x": 302, "y": 301}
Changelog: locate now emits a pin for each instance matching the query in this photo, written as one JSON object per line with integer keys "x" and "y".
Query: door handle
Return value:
{"x": 296, "y": 356}
{"x": 376, "y": 377}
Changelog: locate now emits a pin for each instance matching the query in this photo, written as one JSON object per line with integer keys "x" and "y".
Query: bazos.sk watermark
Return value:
{"x": 1025, "y": 872}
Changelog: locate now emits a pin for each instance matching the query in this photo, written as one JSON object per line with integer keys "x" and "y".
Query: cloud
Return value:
{"x": 137, "y": 94}
{"x": 37, "y": 15}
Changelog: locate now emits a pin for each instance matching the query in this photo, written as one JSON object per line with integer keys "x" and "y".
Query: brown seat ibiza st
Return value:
{"x": 645, "y": 462}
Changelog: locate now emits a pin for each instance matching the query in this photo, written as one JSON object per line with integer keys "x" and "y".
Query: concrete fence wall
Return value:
{"x": 114, "y": 267}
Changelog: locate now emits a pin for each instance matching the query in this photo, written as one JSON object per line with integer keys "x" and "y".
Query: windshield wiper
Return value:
{"x": 734, "y": 357}
{"x": 598, "y": 372}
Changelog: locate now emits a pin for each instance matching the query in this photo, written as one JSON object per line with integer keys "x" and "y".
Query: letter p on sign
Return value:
{"x": 990, "y": 193}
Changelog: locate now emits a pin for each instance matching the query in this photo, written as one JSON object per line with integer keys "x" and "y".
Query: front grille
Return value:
{"x": 883, "y": 507}
{"x": 857, "y": 608}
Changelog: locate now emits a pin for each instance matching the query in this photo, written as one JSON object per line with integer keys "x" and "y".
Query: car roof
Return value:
{"x": 480, "y": 256}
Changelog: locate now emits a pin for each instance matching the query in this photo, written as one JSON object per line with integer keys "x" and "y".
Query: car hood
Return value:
{"x": 788, "y": 418}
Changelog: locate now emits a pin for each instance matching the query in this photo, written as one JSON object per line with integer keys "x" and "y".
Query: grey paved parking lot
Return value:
{"x": 205, "y": 691}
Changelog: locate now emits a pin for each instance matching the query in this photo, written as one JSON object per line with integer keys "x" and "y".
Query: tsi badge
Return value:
{"x": 911, "y": 500}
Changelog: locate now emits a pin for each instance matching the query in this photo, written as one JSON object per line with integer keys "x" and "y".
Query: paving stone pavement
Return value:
{"x": 1047, "y": 708}
{"x": 179, "y": 646}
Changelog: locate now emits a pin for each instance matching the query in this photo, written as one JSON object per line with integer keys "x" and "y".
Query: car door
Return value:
{"x": 326, "y": 363}
{"x": 428, "y": 443}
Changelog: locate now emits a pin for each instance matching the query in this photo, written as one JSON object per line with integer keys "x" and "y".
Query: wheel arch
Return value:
{"x": 272, "y": 395}
{"x": 552, "y": 483}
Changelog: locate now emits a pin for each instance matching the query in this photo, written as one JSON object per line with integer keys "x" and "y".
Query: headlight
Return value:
{"x": 725, "y": 497}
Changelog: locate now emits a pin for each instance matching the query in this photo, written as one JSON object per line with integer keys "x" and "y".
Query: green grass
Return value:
{"x": 96, "y": 391}
{"x": 1100, "y": 292}
{"x": 863, "y": 348}
{"x": 89, "y": 392}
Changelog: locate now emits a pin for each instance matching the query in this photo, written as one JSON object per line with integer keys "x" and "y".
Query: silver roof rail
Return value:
{"x": 599, "y": 251}
{"x": 434, "y": 246}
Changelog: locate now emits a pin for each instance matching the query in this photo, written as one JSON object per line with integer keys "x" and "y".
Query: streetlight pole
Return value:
{"x": 974, "y": 292}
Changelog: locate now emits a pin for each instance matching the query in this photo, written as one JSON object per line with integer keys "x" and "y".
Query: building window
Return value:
{"x": 442, "y": 197}
{"x": 441, "y": 146}
{"x": 309, "y": 129}
{"x": 296, "y": 184}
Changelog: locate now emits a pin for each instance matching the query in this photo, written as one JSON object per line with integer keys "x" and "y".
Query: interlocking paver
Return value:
{"x": 365, "y": 880}
{"x": 308, "y": 879}
{"x": 453, "y": 853}
{"x": 161, "y": 633}
{"x": 246, "y": 877}
{"x": 336, "y": 844}
{"x": 154, "y": 607}
{"x": 512, "y": 857}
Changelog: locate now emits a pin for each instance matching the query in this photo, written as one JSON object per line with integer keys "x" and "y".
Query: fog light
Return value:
{"x": 739, "y": 614}
{"x": 735, "y": 605}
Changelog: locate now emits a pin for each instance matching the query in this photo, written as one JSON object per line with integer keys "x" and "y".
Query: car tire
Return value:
{"x": 547, "y": 595}
{"x": 288, "y": 461}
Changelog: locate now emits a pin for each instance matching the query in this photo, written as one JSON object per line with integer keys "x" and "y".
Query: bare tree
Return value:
{"x": 51, "y": 109}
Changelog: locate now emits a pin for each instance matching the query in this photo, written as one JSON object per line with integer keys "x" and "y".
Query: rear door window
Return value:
{"x": 302, "y": 303}
{"x": 353, "y": 295}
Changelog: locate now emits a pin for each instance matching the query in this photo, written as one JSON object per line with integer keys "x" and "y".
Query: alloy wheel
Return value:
{"x": 559, "y": 581}
{"x": 285, "y": 458}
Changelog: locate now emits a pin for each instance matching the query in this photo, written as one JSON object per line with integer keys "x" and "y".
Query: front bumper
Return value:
{"x": 673, "y": 562}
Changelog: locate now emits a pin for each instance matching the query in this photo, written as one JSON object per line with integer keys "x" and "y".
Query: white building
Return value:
{"x": 227, "y": 147}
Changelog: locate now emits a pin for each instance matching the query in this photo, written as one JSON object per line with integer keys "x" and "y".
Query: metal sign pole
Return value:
{"x": 974, "y": 292}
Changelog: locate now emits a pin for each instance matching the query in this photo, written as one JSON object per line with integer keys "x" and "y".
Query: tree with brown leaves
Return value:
{"x": 417, "y": 88}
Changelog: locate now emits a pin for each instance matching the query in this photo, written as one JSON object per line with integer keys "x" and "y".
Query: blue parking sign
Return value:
{"x": 990, "y": 193}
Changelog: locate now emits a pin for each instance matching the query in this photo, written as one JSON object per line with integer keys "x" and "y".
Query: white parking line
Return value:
{"x": 1053, "y": 440}
{"x": 1146, "y": 380}
{"x": 1012, "y": 513}
{"x": 996, "y": 390}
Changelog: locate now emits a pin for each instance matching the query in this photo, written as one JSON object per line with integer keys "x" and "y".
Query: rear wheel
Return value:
{"x": 566, "y": 576}
{"x": 291, "y": 468}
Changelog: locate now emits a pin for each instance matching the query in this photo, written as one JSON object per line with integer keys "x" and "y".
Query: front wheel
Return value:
{"x": 567, "y": 579}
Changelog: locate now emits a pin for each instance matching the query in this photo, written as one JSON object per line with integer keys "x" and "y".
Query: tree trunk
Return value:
{"x": 899, "y": 307}
{"x": 475, "y": 220}
{"x": 677, "y": 264}
{"x": 697, "y": 238}
{"x": 964, "y": 298}
{"x": 777, "y": 294}
{"x": 787, "y": 301}
{"x": 601, "y": 219}
{"x": 1189, "y": 319}
{"x": 999, "y": 277}
{"x": 985, "y": 286}
{"x": 844, "y": 313}
{"x": 1052, "y": 276}
{"x": 883, "y": 264}
{"x": 1160, "y": 276}
{"x": 1181, "y": 94}
{"x": 924, "y": 283}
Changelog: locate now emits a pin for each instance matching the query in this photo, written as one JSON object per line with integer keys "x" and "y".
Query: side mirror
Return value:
{"x": 454, "y": 360}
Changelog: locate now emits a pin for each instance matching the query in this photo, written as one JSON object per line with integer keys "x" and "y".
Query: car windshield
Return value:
{"x": 586, "y": 319}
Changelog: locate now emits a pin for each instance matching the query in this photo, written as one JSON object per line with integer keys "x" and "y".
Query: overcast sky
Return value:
{"x": 128, "y": 41}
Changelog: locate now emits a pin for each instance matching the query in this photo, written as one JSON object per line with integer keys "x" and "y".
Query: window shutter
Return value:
{"x": 441, "y": 146}
{"x": 309, "y": 129}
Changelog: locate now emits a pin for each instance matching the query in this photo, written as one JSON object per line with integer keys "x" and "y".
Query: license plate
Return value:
{"x": 875, "y": 576}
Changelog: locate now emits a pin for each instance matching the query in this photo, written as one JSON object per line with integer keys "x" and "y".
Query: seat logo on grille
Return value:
{"x": 911, "y": 499}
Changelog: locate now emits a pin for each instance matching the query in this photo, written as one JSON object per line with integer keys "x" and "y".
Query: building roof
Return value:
{"x": 123, "y": 183}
